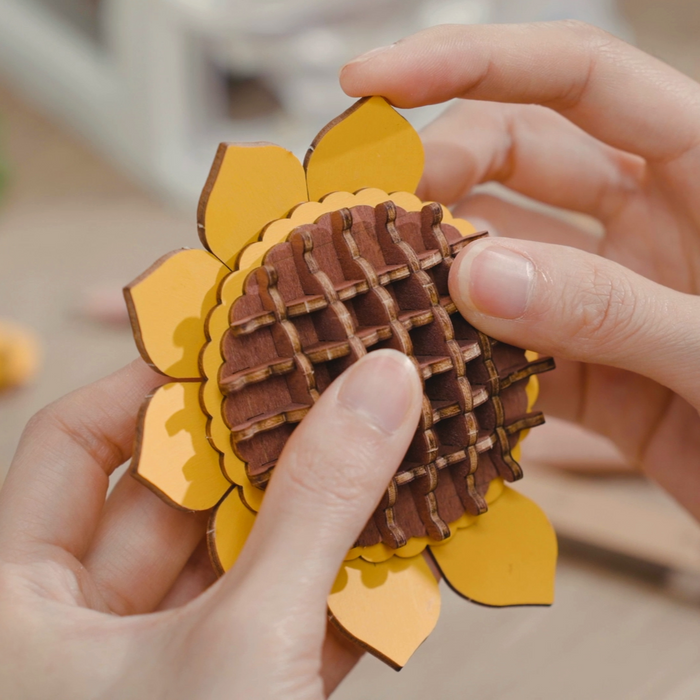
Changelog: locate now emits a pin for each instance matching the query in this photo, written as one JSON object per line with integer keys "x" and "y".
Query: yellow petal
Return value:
{"x": 532, "y": 390}
{"x": 462, "y": 225}
{"x": 252, "y": 496}
{"x": 172, "y": 455}
{"x": 168, "y": 306}
{"x": 228, "y": 531}
{"x": 408, "y": 201}
{"x": 388, "y": 608}
{"x": 369, "y": 145}
{"x": 381, "y": 552}
{"x": 508, "y": 557}
{"x": 249, "y": 185}
{"x": 377, "y": 553}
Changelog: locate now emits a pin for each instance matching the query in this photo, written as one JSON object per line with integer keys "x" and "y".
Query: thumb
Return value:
{"x": 565, "y": 302}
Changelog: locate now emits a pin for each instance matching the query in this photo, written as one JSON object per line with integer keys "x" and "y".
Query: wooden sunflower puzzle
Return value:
{"x": 309, "y": 268}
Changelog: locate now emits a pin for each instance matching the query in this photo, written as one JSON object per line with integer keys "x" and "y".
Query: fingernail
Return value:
{"x": 370, "y": 54}
{"x": 496, "y": 281}
{"x": 380, "y": 388}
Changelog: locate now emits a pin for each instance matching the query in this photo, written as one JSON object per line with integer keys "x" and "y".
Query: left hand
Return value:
{"x": 116, "y": 598}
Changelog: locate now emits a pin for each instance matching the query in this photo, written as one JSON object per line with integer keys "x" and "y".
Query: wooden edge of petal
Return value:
{"x": 210, "y": 183}
{"x": 172, "y": 454}
{"x": 207, "y": 190}
{"x": 133, "y": 315}
{"x": 358, "y": 642}
{"x": 211, "y": 540}
{"x": 214, "y": 554}
{"x": 331, "y": 124}
{"x": 136, "y": 457}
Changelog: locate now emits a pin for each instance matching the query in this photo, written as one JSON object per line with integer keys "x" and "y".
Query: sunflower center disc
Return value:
{"x": 358, "y": 280}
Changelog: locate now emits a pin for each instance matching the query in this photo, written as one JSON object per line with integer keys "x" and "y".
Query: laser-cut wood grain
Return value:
{"x": 359, "y": 279}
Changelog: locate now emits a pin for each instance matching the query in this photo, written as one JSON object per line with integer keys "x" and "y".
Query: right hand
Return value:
{"x": 569, "y": 115}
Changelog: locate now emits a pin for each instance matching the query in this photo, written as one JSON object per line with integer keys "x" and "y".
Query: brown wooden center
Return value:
{"x": 358, "y": 280}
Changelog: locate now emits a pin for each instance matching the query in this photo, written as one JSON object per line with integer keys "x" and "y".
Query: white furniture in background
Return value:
{"x": 152, "y": 91}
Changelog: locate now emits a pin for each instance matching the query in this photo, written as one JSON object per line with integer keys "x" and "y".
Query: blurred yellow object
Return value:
{"x": 19, "y": 355}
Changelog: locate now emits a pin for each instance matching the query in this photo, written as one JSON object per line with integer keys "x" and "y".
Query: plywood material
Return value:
{"x": 389, "y": 608}
{"x": 250, "y": 185}
{"x": 230, "y": 525}
{"x": 359, "y": 279}
{"x": 307, "y": 289}
{"x": 168, "y": 305}
{"x": 369, "y": 145}
{"x": 515, "y": 549}
{"x": 173, "y": 456}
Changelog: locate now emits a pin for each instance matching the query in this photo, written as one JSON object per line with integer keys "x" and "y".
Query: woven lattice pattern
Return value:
{"x": 358, "y": 280}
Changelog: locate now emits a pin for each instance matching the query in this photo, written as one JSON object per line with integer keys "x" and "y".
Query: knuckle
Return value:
{"x": 41, "y": 420}
{"x": 605, "y": 309}
{"x": 81, "y": 431}
{"x": 592, "y": 43}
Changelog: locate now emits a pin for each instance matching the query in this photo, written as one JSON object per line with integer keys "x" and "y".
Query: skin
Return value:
{"x": 111, "y": 597}
{"x": 573, "y": 117}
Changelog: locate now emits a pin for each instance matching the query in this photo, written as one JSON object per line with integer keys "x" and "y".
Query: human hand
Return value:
{"x": 577, "y": 119}
{"x": 116, "y": 599}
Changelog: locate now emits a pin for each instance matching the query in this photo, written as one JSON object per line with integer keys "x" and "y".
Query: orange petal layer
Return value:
{"x": 228, "y": 530}
{"x": 168, "y": 306}
{"x": 369, "y": 145}
{"x": 388, "y": 608}
{"x": 173, "y": 456}
{"x": 249, "y": 185}
{"x": 507, "y": 557}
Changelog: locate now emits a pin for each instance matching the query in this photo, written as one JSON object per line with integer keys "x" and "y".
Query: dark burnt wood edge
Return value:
{"x": 136, "y": 457}
{"x": 210, "y": 183}
{"x": 341, "y": 117}
{"x": 358, "y": 642}
{"x": 477, "y": 602}
{"x": 133, "y": 315}
{"x": 211, "y": 531}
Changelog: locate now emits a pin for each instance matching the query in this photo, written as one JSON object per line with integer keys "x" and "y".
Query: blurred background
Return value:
{"x": 110, "y": 114}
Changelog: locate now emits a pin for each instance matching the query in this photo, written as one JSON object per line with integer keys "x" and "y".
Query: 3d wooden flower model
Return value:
{"x": 309, "y": 268}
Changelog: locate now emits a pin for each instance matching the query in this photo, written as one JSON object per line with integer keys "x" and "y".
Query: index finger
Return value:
{"x": 616, "y": 92}
{"x": 56, "y": 486}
